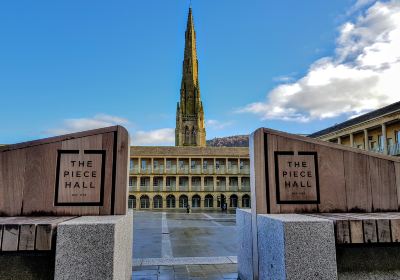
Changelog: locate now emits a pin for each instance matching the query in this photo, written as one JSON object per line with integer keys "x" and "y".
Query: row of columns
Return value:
{"x": 202, "y": 202}
{"x": 366, "y": 141}
{"x": 190, "y": 186}
{"x": 245, "y": 170}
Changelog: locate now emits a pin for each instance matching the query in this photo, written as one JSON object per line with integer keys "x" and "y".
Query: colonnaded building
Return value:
{"x": 377, "y": 131}
{"x": 189, "y": 173}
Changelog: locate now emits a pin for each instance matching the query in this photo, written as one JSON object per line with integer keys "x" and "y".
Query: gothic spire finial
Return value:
{"x": 190, "y": 112}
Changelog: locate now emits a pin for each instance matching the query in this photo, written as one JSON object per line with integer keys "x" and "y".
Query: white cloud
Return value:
{"x": 359, "y": 5}
{"x": 162, "y": 136}
{"x": 214, "y": 124}
{"x": 362, "y": 75}
{"x": 284, "y": 78}
{"x": 81, "y": 124}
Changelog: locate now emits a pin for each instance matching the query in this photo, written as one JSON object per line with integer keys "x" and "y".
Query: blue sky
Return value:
{"x": 296, "y": 66}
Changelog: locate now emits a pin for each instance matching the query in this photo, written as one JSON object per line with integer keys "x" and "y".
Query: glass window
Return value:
{"x": 205, "y": 164}
{"x": 143, "y": 181}
{"x": 130, "y": 181}
{"x": 193, "y": 164}
{"x": 398, "y": 136}
{"x": 131, "y": 164}
{"x": 144, "y": 164}
{"x": 380, "y": 140}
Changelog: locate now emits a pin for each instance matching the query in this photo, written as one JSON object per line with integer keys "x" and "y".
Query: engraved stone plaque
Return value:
{"x": 296, "y": 178}
{"x": 80, "y": 177}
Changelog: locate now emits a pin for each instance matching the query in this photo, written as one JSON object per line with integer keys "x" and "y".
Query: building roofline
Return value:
{"x": 384, "y": 111}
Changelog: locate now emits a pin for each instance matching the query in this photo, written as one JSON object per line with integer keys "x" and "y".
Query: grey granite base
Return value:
{"x": 292, "y": 246}
{"x": 245, "y": 239}
{"x": 368, "y": 261}
{"x": 34, "y": 265}
{"x": 95, "y": 247}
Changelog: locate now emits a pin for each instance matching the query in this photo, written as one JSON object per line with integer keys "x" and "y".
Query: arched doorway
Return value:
{"x": 233, "y": 200}
{"x": 157, "y": 202}
{"x": 208, "y": 201}
{"x": 196, "y": 201}
{"x": 246, "y": 201}
{"x": 221, "y": 200}
{"x": 170, "y": 201}
{"x": 183, "y": 201}
{"x": 132, "y": 202}
{"x": 144, "y": 202}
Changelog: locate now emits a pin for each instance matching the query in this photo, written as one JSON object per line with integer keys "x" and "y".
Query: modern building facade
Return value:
{"x": 189, "y": 173}
{"x": 377, "y": 131}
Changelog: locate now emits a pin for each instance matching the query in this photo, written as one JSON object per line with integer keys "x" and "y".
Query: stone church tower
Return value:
{"x": 190, "y": 129}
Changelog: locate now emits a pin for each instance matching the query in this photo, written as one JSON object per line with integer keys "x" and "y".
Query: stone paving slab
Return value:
{"x": 186, "y": 272}
{"x": 184, "y": 261}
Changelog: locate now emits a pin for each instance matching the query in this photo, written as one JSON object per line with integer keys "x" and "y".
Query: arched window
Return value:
{"x": 246, "y": 201}
{"x": 132, "y": 202}
{"x": 187, "y": 135}
{"x": 196, "y": 201}
{"x": 170, "y": 201}
{"x": 194, "y": 136}
{"x": 157, "y": 201}
{"x": 233, "y": 200}
{"x": 209, "y": 201}
{"x": 183, "y": 201}
{"x": 144, "y": 201}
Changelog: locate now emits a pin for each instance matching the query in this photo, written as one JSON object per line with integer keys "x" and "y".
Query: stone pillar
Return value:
{"x": 165, "y": 166}
{"x": 164, "y": 187}
{"x": 202, "y": 183}
{"x": 214, "y": 164}
{"x": 190, "y": 183}
{"x": 352, "y": 140}
{"x": 152, "y": 166}
{"x": 151, "y": 188}
{"x": 366, "y": 144}
{"x": 384, "y": 139}
{"x": 245, "y": 239}
{"x": 239, "y": 183}
{"x": 339, "y": 140}
{"x": 292, "y": 246}
{"x": 94, "y": 247}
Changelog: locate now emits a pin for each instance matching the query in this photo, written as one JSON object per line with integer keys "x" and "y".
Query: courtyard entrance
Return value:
{"x": 171, "y": 244}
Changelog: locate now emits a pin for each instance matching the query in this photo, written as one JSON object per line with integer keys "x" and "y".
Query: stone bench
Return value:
{"x": 63, "y": 207}
{"x": 359, "y": 228}
{"x": 320, "y": 246}
{"x": 319, "y": 211}
{"x": 29, "y": 233}
{"x": 86, "y": 247}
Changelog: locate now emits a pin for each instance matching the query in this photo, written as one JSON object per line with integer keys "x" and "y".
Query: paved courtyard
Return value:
{"x": 177, "y": 245}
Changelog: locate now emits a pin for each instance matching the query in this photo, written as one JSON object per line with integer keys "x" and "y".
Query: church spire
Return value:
{"x": 190, "y": 130}
{"x": 190, "y": 56}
